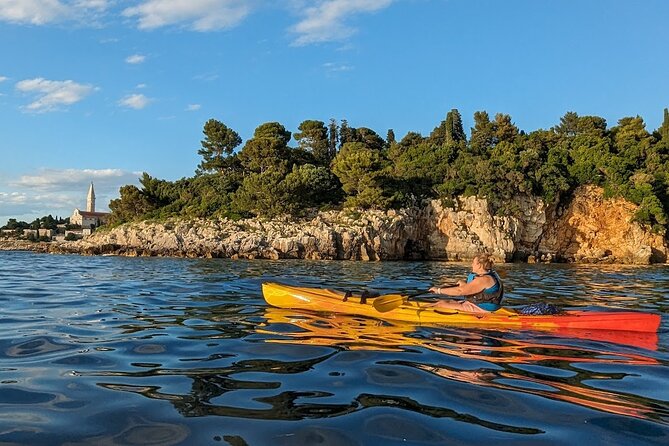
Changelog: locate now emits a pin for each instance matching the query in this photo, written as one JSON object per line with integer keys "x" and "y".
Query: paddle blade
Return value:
{"x": 389, "y": 302}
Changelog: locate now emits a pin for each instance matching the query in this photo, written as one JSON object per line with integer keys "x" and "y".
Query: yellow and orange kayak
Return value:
{"x": 317, "y": 299}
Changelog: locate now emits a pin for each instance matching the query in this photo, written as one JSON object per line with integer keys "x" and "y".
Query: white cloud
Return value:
{"x": 65, "y": 179}
{"x": 41, "y": 12}
{"x": 135, "y": 59}
{"x": 35, "y": 12}
{"x": 51, "y": 95}
{"x": 136, "y": 101}
{"x": 199, "y": 15}
{"x": 3, "y": 78}
{"x": 326, "y": 20}
{"x": 193, "y": 107}
{"x": 59, "y": 191}
{"x": 140, "y": 86}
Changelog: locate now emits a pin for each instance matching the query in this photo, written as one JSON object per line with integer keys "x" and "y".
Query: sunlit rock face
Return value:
{"x": 586, "y": 229}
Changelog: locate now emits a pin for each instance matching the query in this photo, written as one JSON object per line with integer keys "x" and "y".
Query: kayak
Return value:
{"x": 320, "y": 299}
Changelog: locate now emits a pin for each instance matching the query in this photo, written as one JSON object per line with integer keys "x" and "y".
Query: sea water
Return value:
{"x": 159, "y": 351}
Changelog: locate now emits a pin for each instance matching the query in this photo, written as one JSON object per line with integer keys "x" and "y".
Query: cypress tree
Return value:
{"x": 664, "y": 128}
{"x": 454, "y": 130}
{"x": 333, "y": 138}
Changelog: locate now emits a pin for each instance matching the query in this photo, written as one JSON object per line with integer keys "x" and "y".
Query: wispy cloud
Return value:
{"x": 325, "y": 20}
{"x": 336, "y": 67}
{"x": 193, "y": 107}
{"x": 136, "y": 101}
{"x": 52, "y": 95}
{"x": 3, "y": 78}
{"x": 59, "y": 191}
{"x": 199, "y": 15}
{"x": 206, "y": 77}
{"x": 135, "y": 59}
{"x": 41, "y": 12}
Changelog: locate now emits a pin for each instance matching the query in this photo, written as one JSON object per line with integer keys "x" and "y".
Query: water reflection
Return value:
{"x": 501, "y": 356}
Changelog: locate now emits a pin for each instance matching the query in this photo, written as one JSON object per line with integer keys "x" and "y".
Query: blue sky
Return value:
{"x": 102, "y": 90}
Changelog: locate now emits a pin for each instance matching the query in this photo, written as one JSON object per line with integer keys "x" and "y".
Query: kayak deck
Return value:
{"x": 316, "y": 299}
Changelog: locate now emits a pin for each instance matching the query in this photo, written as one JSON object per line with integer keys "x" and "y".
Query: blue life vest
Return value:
{"x": 489, "y": 299}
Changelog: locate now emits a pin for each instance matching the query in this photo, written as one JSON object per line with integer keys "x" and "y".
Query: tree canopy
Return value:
{"x": 341, "y": 165}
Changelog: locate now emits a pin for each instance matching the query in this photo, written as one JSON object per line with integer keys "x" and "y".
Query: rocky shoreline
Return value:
{"x": 589, "y": 229}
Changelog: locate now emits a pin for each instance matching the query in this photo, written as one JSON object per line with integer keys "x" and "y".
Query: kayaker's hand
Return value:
{"x": 435, "y": 290}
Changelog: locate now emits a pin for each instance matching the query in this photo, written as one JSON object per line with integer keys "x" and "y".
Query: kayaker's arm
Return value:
{"x": 466, "y": 289}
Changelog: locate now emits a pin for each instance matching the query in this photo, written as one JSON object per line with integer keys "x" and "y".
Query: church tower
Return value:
{"x": 90, "y": 200}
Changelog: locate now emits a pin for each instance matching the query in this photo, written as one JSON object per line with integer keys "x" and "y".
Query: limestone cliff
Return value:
{"x": 587, "y": 229}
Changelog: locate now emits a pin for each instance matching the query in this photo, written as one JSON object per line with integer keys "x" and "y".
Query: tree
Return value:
{"x": 132, "y": 205}
{"x": 346, "y": 133}
{"x": 390, "y": 138}
{"x": 483, "y": 134}
{"x": 664, "y": 128}
{"x": 505, "y": 130}
{"x": 568, "y": 125}
{"x": 360, "y": 170}
{"x": 313, "y": 138}
{"x": 311, "y": 186}
{"x": 262, "y": 193}
{"x": 454, "y": 130}
{"x": 333, "y": 138}
{"x": 268, "y": 148}
{"x": 217, "y": 146}
{"x": 368, "y": 137}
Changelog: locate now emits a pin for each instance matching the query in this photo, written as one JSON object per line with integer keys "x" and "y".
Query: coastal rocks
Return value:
{"x": 470, "y": 227}
{"x": 594, "y": 229}
{"x": 587, "y": 229}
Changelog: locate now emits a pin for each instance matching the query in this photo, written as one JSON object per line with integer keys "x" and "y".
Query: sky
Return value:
{"x": 103, "y": 90}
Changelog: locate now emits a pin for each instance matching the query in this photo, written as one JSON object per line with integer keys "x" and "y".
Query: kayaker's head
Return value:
{"x": 482, "y": 263}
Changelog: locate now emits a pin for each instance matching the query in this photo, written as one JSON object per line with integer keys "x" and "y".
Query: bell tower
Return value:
{"x": 90, "y": 200}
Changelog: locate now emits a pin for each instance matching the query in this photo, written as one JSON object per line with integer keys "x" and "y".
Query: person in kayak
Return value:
{"x": 483, "y": 290}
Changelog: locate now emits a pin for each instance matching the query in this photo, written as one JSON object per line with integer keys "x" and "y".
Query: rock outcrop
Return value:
{"x": 588, "y": 229}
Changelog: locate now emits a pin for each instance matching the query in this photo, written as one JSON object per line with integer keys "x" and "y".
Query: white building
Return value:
{"x": 89, "y": 218}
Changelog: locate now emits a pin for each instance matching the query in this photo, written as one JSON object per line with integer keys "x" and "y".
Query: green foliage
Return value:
{"x": 359, "y": 168}
{"x": 450, "y": 131}
{"x": 267, "y": 149}
{"x": 132, "y": 205}
{"x": 312, "y": 186}
{"x": 333, "y": 138}
{"x": 390, "y": 138}
{"x": 313, "y": 138}
{"x": 217, "y": 147}
{"x": 262, "y": 193}
{"x": 498, "y": 162}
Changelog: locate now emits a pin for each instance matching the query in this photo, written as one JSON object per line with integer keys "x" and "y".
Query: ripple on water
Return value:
{"x": 177, "y": 351}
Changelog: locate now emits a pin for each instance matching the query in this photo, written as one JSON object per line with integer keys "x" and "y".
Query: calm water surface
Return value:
{"x": 105, "y": 350}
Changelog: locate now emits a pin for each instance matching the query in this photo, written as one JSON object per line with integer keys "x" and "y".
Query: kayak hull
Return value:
{"x": 316, "y": 299}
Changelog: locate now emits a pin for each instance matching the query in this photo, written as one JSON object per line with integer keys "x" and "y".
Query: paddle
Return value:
{"x": 389, "y": 302}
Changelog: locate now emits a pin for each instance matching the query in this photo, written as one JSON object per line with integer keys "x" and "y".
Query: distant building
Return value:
{"x": 46, "y": 233}
{"x": 89, "y": 218}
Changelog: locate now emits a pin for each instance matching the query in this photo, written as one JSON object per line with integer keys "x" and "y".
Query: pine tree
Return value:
{"x": 217, "y": 146}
